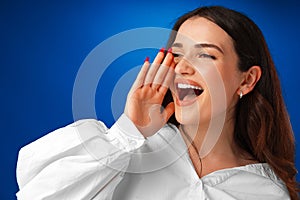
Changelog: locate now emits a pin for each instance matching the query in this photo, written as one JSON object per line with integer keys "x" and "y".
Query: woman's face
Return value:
{"x": 207, "y": 78}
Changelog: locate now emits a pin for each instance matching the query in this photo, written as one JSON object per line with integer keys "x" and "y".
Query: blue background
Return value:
{"x": 43, "y": 44}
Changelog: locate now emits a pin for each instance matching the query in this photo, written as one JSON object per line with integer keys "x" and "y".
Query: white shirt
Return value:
{"x": 86, "y": 160}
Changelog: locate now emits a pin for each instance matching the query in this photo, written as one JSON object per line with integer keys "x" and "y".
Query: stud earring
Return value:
{"x": 241, "y": 94}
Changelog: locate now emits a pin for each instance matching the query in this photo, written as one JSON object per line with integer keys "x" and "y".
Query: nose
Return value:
{"x": 183, "y": 67}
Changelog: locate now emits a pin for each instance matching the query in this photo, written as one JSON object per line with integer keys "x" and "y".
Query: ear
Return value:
{"x": 250, "y": 78}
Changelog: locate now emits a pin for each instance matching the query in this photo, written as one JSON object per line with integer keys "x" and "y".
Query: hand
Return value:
{"x": 145, "y": 98}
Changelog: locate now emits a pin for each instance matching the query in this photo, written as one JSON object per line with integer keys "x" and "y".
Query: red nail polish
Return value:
{"x": 162, "y": 50}
{"x": 147, "y": 59}
{"x": 170, "y": 50}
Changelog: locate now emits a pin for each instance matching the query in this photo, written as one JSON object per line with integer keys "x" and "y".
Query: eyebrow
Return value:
{"x": 201, "y": 45}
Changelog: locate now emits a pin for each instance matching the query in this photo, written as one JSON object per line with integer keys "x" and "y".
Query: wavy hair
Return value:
{"x": 262, "y": 125}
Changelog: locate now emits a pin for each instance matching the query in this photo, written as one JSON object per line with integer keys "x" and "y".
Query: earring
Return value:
{"x": 241, "y": 94}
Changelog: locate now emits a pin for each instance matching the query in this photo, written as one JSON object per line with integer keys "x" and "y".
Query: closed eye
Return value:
{"x": 177, "y": 55}
{"x": 204, "y": 55}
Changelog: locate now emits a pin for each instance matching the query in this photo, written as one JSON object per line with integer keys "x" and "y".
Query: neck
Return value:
{"x": 211, "y": 149}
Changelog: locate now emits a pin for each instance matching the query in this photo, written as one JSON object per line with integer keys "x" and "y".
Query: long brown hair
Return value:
{"x": 262, "y": 125}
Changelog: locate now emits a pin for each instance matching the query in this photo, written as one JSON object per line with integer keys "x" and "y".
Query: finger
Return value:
{"x": 163, "y": 69}
{"x": 154, "y": 67}
{"x": 168, "y": 79}
{"x": 139, "y": 81}
{"x": 168, "y": 111}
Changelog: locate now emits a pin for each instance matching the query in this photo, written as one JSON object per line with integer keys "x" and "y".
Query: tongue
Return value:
{"x": 189, "y": 95}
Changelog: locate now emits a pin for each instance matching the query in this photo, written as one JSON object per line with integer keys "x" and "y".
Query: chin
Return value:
{"x": 187, "y": 116}
{"x": 192, "y": 115}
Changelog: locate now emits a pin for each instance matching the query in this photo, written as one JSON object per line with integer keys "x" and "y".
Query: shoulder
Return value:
{"x": 257, "y": 181}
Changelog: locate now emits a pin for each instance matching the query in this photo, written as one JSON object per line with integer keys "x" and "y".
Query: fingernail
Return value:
{"x": 162, "y": 50}
{"x": 147, "y": 59}
{"x": 170, "y": 50}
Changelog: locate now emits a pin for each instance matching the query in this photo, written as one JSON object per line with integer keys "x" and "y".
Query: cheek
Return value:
{"x": 216, "y": 82}
{"x": 232, "y": 82}
{"x": 231, "y": 75}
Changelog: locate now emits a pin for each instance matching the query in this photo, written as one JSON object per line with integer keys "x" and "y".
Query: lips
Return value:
{"x": 187, "y": 91}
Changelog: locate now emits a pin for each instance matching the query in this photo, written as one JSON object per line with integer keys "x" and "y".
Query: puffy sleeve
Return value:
{"x": 84, "y": 160}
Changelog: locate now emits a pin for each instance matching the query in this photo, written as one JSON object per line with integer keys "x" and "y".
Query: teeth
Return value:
{"x": 187, "y": 86}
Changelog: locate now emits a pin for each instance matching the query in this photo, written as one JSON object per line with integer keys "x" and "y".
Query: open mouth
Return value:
{"x": 188, "y": 92}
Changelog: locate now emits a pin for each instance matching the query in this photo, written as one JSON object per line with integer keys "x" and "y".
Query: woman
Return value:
{"x": 237, "y": 145}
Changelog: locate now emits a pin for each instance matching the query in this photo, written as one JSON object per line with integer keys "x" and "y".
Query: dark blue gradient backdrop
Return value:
{"x": 43, "y": 44}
